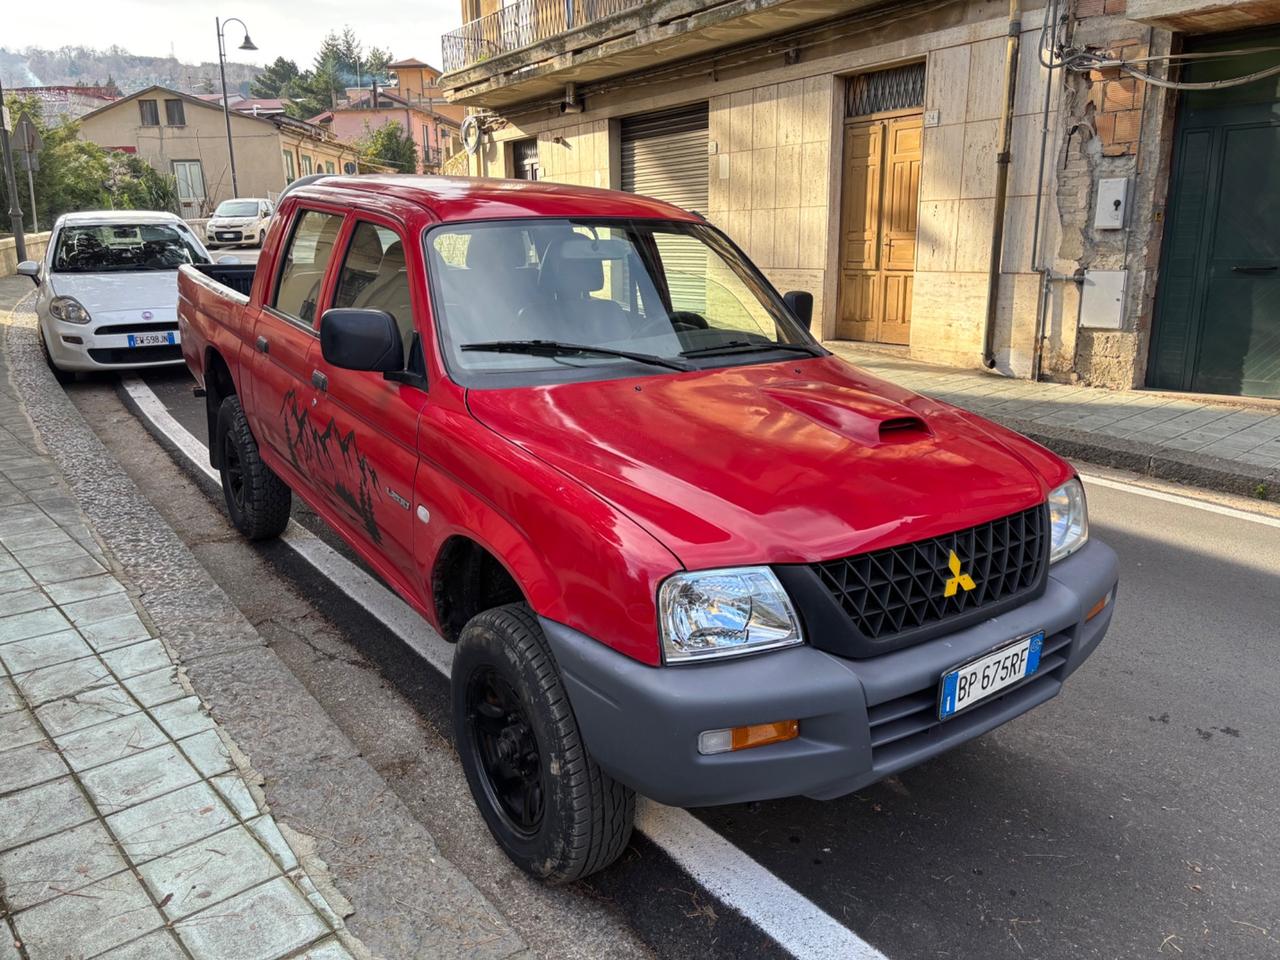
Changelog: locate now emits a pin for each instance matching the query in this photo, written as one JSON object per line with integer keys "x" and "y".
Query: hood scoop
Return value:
{"x": 903, "y": 429}
{"x": 860, "y": 416}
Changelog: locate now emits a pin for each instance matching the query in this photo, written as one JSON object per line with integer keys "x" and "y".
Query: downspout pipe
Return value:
{"x": 1002, "y": 180}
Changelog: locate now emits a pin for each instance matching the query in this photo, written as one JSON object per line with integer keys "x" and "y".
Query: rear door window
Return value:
{"x": 374, "y": 277}
{"x": 305, "y": 261}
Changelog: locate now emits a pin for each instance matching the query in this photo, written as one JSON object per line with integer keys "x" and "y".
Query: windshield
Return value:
{"x": 237, "y": 208}
{"x": 99, "y": 248}
{"x": 669, "y": 294}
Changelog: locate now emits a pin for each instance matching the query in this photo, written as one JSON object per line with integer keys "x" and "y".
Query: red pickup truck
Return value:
{"x": 680, "y": 547}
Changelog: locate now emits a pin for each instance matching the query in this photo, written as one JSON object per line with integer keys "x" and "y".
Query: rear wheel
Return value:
{"x": 62, "y": 376}
{"x": 554, "y": 812}
{"x": 257, "y": 500}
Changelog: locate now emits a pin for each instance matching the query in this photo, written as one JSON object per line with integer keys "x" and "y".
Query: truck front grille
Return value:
{"x": 904, "y": 727}
{"x": 901, "y": 589}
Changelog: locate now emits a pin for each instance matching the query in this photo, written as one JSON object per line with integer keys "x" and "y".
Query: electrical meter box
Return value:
{"x": 1113, "y": 204}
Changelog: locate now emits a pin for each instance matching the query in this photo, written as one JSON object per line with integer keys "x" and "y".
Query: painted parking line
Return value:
{"x": 792, "y": 920}
{"x": 1181, "y": 500}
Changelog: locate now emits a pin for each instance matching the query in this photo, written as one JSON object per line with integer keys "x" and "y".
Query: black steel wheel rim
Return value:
{"x": 234, "y": 471}
{"x": 506, "y": 751}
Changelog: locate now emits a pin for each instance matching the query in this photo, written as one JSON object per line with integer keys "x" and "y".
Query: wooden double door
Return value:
{"x": 878, "y": 219}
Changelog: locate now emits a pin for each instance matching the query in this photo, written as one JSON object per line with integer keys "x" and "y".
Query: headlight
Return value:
{"x": 68, "y": 309}
{"x": 723, "y": 613}
{"x": 1068, "y": 520}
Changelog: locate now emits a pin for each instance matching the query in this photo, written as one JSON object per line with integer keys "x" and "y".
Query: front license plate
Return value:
{"x": 228, "y": 236}
{"x": 152, "y": 339}
{"x": 975, "y": 681}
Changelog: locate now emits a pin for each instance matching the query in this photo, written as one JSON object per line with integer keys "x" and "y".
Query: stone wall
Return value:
{"x": 36, "y": 244}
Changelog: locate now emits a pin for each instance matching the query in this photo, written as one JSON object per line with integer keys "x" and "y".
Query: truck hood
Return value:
{"x": 132, "y": 290}
{"x": 788, "y": 462}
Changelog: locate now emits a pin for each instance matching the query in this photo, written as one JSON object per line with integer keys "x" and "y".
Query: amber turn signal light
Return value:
{"x": 742, "y": 738}
{"x": 1098, "y": 607}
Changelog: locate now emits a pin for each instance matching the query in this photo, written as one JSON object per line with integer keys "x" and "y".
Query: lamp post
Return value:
{"x": 226, "y": 107}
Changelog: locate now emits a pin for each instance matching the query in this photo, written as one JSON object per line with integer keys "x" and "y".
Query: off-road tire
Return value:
{"x": 62, "y": 376}
{"x": 587, "y": 815}
{"x": 257, "y": 500}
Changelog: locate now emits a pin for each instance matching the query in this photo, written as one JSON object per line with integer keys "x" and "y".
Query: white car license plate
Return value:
{"x": 978, "y": 679}
{"x": 152, "y": 339}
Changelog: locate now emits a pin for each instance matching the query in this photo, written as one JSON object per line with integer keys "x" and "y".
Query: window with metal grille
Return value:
{"x": 899, "y": 88}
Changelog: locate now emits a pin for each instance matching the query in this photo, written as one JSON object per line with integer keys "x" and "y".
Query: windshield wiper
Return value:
{"x": 744, "y": 346}
{"x": 556, "y": 348}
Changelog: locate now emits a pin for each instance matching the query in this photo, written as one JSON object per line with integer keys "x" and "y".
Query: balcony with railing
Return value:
{"x": 529, "y": 49}
{"x": 522, "y": 24}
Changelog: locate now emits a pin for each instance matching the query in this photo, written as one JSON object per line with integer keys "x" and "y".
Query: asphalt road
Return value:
{"x": 1136, "y": 815}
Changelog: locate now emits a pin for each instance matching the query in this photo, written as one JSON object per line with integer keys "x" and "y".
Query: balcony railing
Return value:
{"x": 521, "y": 24}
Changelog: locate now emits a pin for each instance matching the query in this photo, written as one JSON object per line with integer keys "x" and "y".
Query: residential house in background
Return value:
{"x": 258, "y": 106}
{"x": 434, "y": 133}
{"x": 1123, "y": 235}
{"x": 185, "y": 136}
{"x": 66, "y": 102}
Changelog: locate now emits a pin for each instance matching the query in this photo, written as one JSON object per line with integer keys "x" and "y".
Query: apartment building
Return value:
{"x": 1076, "y": 190}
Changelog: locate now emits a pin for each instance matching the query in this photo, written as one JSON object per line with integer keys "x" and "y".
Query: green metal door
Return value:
{"x": 1217, "y": 326}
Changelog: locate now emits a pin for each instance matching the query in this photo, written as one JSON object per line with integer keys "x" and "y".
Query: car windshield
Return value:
{"x": 558, "y": 299}
{"x": 237, "y": 208}
{"x": 105, "y": 247}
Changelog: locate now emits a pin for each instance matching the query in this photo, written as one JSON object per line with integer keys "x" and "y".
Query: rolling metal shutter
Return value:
{"x": 664, "y": 155}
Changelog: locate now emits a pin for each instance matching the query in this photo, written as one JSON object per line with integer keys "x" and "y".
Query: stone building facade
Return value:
{"x": 853, "y": 150}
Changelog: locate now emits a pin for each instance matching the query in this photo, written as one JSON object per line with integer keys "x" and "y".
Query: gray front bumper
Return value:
{"x": 860, "y": 720}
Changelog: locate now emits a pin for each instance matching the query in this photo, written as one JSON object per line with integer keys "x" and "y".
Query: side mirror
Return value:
{"x": 800, "y": 304}
{"x": 361, "y": 340}
{"x": 30, "y": 268}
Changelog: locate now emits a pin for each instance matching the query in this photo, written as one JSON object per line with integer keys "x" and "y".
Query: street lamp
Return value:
{"x": 226, "y": 107}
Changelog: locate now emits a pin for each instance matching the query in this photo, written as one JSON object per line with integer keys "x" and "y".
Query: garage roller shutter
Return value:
{"x": 664, "y": 155}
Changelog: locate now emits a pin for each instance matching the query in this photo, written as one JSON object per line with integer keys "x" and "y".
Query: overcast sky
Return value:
{"x": 288, "y": 28}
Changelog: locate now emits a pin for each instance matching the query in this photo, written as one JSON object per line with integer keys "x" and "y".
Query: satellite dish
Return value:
{"x": 471, "y": 134}
{"x": 348, "y": 167}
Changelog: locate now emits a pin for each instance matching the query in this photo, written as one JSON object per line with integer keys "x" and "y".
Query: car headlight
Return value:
{"x": 1068, "y": 520}
{"x": 724, "y": 613}
{"x": 68, "y": 309}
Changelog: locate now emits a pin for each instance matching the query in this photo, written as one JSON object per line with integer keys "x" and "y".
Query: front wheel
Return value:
{"x": 257, "y": 500}
{"x": 554, "y": 812}
{"x": 62, "y": 376}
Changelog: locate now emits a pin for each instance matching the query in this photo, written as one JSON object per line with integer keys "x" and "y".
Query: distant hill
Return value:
{"x": 35, "y": 67}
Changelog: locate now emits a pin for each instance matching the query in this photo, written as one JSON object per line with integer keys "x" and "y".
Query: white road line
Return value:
{"x": 1181, "y": 500}
{"x": 791, "y": 919}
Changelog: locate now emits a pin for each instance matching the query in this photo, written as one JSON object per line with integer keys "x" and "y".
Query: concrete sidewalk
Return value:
{"x": 133, "y": 693}
{"x": 127, "y": 826}
{"x": 130, "y": 825}
{"x": 1220, "y": 445}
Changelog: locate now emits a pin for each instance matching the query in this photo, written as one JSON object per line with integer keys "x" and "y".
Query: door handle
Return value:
{"x": 1270, "y": 269}
{"x": 319, "y": 381}
{"x": 262, "y": 345}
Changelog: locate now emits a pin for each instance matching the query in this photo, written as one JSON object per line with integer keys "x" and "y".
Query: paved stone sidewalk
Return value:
{"x": 1176, "y": 437}
{"x": 128, "y": 829}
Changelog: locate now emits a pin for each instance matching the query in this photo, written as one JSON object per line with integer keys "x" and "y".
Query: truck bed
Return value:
{"x": 237, "y": 276}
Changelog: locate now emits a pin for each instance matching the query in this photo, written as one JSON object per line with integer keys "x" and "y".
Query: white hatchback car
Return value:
{"x": 108, "y": 290}
{"x": 240, "y": 221}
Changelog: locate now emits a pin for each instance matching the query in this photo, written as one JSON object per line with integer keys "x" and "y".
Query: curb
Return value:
{"x": 1151, "y": 460}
